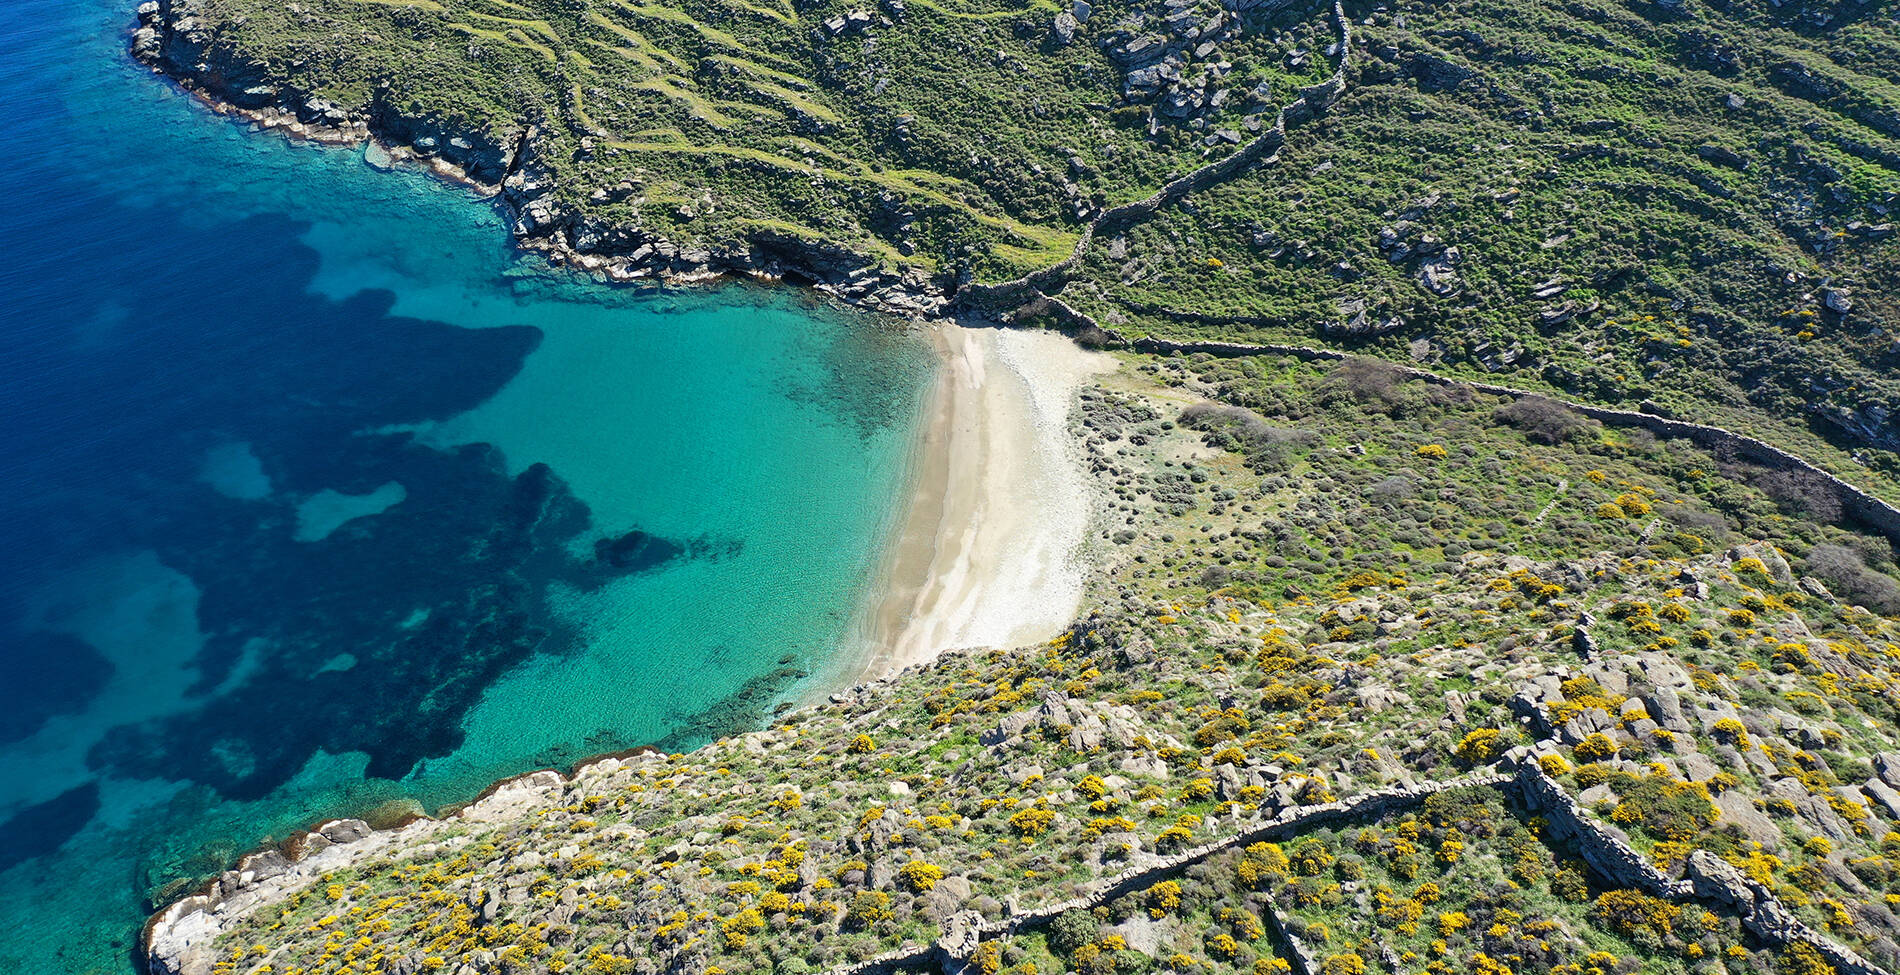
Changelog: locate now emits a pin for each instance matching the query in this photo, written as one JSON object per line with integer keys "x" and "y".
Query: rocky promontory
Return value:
{"x": 511, "y": 162}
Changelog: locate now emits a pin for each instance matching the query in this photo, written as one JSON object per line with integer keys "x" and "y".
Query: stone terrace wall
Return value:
{"x": 951, "y": 951}
{"x": 1859, "y": 504}
{"x": 1708, "y": 879}
{"x": 1313, "y": 100}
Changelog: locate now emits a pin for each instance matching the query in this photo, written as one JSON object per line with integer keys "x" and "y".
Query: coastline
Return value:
{"x": 987, "y": 550}
{"x": 991, "y": 549}
{"x": 504, "y": 167}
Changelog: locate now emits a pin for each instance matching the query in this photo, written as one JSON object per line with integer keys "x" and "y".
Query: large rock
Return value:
{"x": 1884, "y": 795}
{"x": 1062, "y": 31}
{"x": 1665, "y": 708}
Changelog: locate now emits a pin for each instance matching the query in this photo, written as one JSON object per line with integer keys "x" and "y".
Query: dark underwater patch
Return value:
{"x": 42, "y": 675}
{"x": 637, "y": 551}
{"x": 434, "y": 598}
{"x": 745, "y": 709}
{"x": 41, "y": 829}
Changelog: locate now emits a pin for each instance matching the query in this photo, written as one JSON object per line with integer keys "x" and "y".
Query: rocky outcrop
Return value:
{"x": 179, "y": 39}
{"x": 1706, "y": 877}
{"x": 177, "y": 940}
{"x": 1037, "y": 285}
{"x": 1605, "y": 849}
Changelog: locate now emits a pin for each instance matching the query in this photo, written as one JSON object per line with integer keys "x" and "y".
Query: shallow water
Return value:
{"x": 314, "y": 497}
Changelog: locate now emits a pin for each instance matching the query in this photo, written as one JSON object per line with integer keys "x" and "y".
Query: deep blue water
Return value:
{"x": 313, "y": 497}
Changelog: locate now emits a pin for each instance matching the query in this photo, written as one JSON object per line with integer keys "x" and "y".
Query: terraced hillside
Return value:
{"x": 961, "y": 138}
{"x": 1682, "y": 203}
{"x": 1384, "y": 676}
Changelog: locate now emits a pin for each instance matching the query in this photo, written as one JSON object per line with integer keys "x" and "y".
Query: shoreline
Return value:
{"x": 505, "y": 171}
{"x": 988, "y": 549}
{"x": 991, "y": 547}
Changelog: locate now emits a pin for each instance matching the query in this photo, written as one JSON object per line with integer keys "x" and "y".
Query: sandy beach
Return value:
{"x": 991, "y": 551}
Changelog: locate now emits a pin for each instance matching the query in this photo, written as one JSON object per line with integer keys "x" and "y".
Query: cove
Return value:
{"x": 318, "y": 500}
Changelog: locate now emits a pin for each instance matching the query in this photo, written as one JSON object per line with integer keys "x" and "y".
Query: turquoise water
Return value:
{"x": 316, "y": 498}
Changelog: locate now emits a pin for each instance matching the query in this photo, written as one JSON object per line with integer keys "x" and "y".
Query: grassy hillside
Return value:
{"x": 1682, "y": 203}
{"x": 1687, "y": 204}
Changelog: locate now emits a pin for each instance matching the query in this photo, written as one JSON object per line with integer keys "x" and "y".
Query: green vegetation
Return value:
{"x": 1319, "y": 580}
{"x": 1684, "y": 203}
{"x": 1271, "y": 634}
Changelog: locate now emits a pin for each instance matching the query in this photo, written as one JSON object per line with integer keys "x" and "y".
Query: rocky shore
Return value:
{"x": 177, "y": 39}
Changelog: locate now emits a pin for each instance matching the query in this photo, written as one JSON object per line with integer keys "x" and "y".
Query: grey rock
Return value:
{"x": 1062, "y": 31}
{"x": 1887, "y": 766}
{"x": 1143, "y": 933}
{"x": 1739, "y": 809}
{"x": 1696, "y": 767}
{"x": 1665, "y": 707}
{"x": 1814, "y": 812}
{"x": 344, "y": 830}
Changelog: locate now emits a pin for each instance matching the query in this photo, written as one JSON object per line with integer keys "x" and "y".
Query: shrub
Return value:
{"x": 1032, "y": 820}
{"x": 1634, "y": 914}
{"x": 1483, "y": 964}
{"x": 1071, "y": 930}
{"x": 1262, "y": 865}
{"x": 1800, "y": 492}
{"x": 862, "y": 744}
{"x": 1595, "y": 748}
{"x": 1346, "y": 964}
{"x": 920, "y": 876}
{"x": 1570, "y": 884}
{"x": 1731, "y": 731}
{"x": 1310, "y": 857}
{"x": 1633, "y": 505}
{"x": 1541, "y": 420}
{"x": 1163, "y": 898}
{"x": 1848, "y": 575}
{"x": 868, "y": 907}
{"x": 1480, "y": 746}
{"x": 1369, "y": 382}
{"x": 1265, "y": 446}
{"x": 1801, "y": 958}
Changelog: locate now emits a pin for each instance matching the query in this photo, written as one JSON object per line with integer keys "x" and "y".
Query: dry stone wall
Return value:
{"x": 1707, "y": 879}
{"x": 1035, "y": 285}
{"x": 952, "y": 951}
{"x": 1857, "y": 503}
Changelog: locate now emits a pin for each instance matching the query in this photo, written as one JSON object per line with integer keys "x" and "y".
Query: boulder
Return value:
{"x": 1739, "y": 809}
{"x": 1062, "y": 30}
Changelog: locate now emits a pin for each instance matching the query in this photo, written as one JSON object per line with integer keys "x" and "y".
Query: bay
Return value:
{"x": 316, "y": 499}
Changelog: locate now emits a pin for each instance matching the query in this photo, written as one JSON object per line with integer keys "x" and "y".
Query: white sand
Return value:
{"x": 992, "y": 552}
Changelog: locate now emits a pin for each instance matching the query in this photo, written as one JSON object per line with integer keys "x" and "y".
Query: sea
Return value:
{"x": 317, "y": 499}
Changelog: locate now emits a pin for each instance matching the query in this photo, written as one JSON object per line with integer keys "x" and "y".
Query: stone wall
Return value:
{"x": 1708, "y": 879}
{"x": 1858, "y": 504}
{"x": 1035, "y": 285}
{"x": 951, "y": 952}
